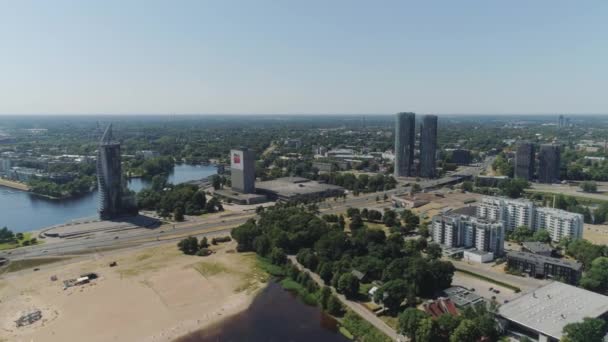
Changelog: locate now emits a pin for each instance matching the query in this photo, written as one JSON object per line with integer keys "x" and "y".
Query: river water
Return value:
{"x": 275, "y": 315}
{"x": 21, "y": 211}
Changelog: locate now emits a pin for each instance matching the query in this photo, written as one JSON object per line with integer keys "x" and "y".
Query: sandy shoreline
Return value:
{"x": 14, "y": 185}
{"x": 154, "y": 294}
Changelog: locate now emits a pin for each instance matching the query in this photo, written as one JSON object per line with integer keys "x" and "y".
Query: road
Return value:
{"x": 570, "y": 190}
{"x": 526, "y": 284}
{"x": 354, "y": 306}
{"x": 131, "y": 237}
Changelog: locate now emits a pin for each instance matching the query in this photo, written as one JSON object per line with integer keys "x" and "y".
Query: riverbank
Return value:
{"x": 153, "y": 294}
{"x": 14, "y": 185}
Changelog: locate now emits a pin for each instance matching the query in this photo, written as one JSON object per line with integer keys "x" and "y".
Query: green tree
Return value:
{"x": 326, "y": 272}
{"x": 590, "y": 329}
{"x": 178, "y": 214}
{"x": 433, "y": 250}
{"x": 447, "y": 324}
{"x": 277, "y": 256}
{"x": 467, "y": 186}
{"x": 596, "y": 278}
{"x": 588, "y": 186}
{"x": 467, "y": 331}
{"x": 427, "y": 331}
{"x": 521, "y": 234}
{"x": 356, "y": 222}
{"x": 325, "y": 296}
{"x": 348, "y": 285}
{"x": 409, "y": 321}
{"x": 189, "y": 245}
{"x": 204, "y": 243}
{"x": 541, "y": 235}
{"x": 334, "y": 307}
{"x": 392, "y": 294}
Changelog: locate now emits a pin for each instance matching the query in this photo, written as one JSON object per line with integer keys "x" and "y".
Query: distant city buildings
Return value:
{"x": 405, "y": 140}
{"x": 460, "y": 156}
{"x": 524, "y": 161}
{"x": 515, "y": 213}
{"x": 405, "y": 137}
{"x": 548, "y": 163}
{"x": 242, "y": 168}
{"x": 428, "y": 146}
{"x": 109, "y": 176}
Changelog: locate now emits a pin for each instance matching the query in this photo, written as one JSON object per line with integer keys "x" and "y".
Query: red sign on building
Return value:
{"x": 236, "y": 158}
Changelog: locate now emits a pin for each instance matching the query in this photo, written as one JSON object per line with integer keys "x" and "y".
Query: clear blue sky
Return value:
{"x": 329, "y": 56}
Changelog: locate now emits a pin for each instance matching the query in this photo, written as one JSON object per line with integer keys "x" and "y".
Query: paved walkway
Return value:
{"x": 354, "y": 306}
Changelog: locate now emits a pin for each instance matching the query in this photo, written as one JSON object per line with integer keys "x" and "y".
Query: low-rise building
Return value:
{"x": 289, "y": 189}
{"x": 542, "y": 314}
{"x": 477, "y": 256}
{"x": 411, "y": 202}
{"x": 536, "y": 247}
{"x": 541, "y": 266}
{"x": 463, "y": 297}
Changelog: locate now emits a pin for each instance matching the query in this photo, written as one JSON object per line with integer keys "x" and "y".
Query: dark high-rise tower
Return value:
{"x": 548, "y": 163}
{"x": 524, "y": 161}
{"x": 428, "y": 146}
{"x": 405, "y": 137}
{"x": 109, "y": 176}
{"x": 242, "y": 170}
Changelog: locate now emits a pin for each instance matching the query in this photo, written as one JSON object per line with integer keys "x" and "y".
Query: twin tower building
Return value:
{"x": 405, "y": 143}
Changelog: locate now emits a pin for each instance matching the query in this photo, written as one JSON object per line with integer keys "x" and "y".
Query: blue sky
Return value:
{"x": 338, "y": 56}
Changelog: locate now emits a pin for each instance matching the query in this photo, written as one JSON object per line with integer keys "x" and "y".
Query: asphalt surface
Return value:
{"x": 150, "y": 236}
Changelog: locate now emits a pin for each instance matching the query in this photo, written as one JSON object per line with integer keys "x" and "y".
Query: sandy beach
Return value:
{"x": 154, "y": 294}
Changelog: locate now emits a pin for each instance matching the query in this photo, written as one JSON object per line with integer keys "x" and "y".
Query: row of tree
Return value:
{"x": 360, "y": 183}
{"x": 176, "y": 200}
{"x": 332, "y": 253}
{"x": 476, "y": 323}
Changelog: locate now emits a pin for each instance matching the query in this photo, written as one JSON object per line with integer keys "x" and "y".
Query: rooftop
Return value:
{"x": 294, "y": 186}
{"x": 549, "y": 308}
{"x": 537, "y": 247}
{"x": 541, "y": 259}
{"x": 462, "y": 297}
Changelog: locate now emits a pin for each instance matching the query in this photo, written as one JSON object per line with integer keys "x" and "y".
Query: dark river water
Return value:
{"x": 275, "y": 315}
{"x": 21, "y": 211}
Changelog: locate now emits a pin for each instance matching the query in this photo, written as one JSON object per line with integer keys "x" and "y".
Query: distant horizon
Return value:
{"x": 239, "y": 57}
{"x": 302, "y": 114}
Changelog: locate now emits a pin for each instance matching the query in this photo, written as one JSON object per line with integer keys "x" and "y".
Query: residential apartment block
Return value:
{"x": 469, "y": 232}
{"x": 514, "y": 213}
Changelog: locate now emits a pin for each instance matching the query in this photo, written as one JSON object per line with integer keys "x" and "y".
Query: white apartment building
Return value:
{"x": 514, "y": 213}
{"x": 468, "y": 232}
{"x": 559, "y": 223}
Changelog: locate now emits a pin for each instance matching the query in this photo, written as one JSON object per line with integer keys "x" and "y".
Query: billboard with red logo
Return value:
{"x": 236, "y": 160}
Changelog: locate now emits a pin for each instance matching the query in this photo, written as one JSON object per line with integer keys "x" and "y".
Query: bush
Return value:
{"x": 204, "y": 252}
{"x": 220, "y": 239}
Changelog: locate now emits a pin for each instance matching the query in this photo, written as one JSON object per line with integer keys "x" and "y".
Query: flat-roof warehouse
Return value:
{"x": 543, "y": 313}
{"x": 296, "y": 188}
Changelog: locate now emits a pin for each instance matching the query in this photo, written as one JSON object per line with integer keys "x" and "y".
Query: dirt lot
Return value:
{"x": 154, "y": 294}
{"x": 453, "y": 200}
{"x": 596, "y": 233}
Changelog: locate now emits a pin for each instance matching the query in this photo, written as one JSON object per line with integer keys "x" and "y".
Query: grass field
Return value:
{"x": 20, "y": 265}
{"x": 11, "y": 245}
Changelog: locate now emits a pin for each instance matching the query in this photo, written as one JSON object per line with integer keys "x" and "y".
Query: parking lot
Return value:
{"x": 482, "y": 288}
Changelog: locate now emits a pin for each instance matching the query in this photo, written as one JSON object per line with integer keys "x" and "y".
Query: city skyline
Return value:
{"x": 341, "y": 57}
